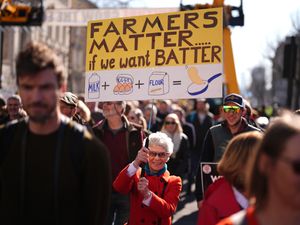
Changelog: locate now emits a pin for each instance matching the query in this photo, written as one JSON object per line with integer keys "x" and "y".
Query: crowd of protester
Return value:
{"x": 194, "y": 113}
{"x": 180, "y": 135}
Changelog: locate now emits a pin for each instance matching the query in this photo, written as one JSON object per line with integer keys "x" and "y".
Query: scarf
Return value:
{"x": 160, "y": 172}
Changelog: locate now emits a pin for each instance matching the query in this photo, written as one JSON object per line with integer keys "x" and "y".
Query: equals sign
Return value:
{"x": 177, "y": 82}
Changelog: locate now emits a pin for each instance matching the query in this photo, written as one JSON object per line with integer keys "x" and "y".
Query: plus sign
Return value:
{"x": 139, "y": 84}
{"x": 105, "y": 85}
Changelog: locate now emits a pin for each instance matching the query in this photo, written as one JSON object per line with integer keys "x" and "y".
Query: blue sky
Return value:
{"x": 267, "y": 22}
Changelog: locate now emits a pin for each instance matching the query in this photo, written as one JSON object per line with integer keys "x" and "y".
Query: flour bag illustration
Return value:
{"x": 158, "y": 83}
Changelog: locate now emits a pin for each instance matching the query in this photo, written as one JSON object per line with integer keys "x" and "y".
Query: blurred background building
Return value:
{"x": 68, "y": 42}
{"x": 64, "y": 30}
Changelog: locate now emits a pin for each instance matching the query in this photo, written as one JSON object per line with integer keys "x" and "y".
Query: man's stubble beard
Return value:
{"x": 237, "y": 123}
{"x": 109, "y": 113}
{"x": 42, "y": 119}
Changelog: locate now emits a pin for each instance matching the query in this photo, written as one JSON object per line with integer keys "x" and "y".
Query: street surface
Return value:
{"x": 187, "y": 210}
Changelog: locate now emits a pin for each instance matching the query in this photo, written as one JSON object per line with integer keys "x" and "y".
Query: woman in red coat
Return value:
{"x": 273, "y": 177}
{"x": 154, "y": 193}
{"x": 226, "y": 196}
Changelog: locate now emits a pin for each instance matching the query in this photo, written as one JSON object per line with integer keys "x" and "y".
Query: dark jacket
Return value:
{"x": 189, "y": 130}
{"x": 200, "y": 128}
{"x": 178, "y": 163}
{"x": 133, "y": 142}
{"x": 58, "y": 178}
{"x": 217, "y": 138}
{"x": 215, "y": 142}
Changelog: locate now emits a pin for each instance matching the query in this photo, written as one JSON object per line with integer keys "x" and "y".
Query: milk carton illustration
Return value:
{"x": 158, "y": 83}
{"x": 94, "y": 86}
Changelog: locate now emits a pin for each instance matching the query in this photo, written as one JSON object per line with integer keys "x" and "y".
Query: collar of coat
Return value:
{"x": 165, "y": 177}
{"x": 159, "y": 173}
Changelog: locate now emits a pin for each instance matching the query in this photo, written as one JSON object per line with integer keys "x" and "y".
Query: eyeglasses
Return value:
{"x": 159, "y": 154}
{"x": 170, "y": 122}
{"x": 234, "y": 109}
{"x": 294, "y": 163}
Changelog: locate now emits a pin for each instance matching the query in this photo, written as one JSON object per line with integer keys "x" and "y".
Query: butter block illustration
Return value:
{"x": 194, "y": 75}
{"x": 158, "y": 83}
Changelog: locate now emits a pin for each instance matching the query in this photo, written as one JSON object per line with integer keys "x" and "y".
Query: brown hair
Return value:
{"x": 238, "y": 151}
{"x": 273, "y": 144}
{"x": 37, "y": 57}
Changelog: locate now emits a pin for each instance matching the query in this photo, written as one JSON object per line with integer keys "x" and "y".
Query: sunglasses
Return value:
{"x": 159, "y": 154}
{"x": 295, "y": 164}
{"x": 234, "y": 109}
{"x": 170, "y": 122}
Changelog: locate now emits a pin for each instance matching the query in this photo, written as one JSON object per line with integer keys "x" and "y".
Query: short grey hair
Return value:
{"x": 162, "y": 140}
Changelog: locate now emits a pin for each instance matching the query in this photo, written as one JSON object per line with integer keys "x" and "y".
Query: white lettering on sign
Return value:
{"x": 214, "y": 178}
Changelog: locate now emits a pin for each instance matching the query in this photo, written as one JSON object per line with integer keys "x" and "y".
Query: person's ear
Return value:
{"x": 244, "y": 112}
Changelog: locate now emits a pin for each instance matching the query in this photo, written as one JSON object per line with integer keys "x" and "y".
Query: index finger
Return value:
{"x": 146, "y": 150}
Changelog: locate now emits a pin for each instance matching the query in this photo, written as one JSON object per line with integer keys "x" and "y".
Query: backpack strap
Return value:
{"x": 77, "y": 147}
{"x": 77, "y": 155}
{"x": 58, "y": 149}
{"x": 75, "y": 136}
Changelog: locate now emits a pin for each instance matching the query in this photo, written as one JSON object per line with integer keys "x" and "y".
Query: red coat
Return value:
{"x": 160, "y": 208}
{"x": 248, "y": 214}
{"x": 219, "y": 202}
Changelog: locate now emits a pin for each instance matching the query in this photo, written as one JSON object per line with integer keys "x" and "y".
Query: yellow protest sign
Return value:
{"x": 124, "y": 54}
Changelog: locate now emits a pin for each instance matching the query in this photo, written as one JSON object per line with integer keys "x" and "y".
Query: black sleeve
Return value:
{"x": 208, "y": 149}
{"x": 184, "y": 150}
{"x": 198, "y": 183}
{"x": 207, "y": 156}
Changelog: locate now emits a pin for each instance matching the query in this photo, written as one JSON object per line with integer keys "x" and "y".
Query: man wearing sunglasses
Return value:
{"x": 123, "y": 140}
{"x": 219, "y": 135}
